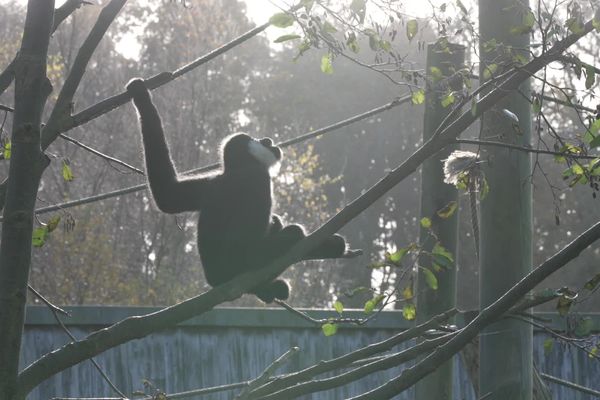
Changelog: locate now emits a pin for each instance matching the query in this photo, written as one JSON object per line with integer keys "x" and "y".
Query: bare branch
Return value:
{"x": 267, "y": 374}
{"x": 412, "y": 375}
{"x": 60, "y": 14}
{"x": 101, "y": 155}
{"x": 68, "y": 7}
{"x": 136, "y": 327}
{"x": 571, "y": 385}
{"x": 62, "y": 108}
{"x": 154, "y": 82}
{"x": 526, "y": 149}
{"x": 299, "y": 139}
{"x": 345, "y": 360}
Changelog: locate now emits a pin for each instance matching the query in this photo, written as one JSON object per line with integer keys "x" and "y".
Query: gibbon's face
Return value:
{"x": 242, "y": 151}
{"x": 264, "y": 151}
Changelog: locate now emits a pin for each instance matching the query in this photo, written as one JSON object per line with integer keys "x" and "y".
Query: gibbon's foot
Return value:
{"x": 352, "y": 253}
{"x": 278, "y": 289}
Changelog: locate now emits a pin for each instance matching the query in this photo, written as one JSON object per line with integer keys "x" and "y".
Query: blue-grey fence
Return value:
{"x": 233, "y": 345}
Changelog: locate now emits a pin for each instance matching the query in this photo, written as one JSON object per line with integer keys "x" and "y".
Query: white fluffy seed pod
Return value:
{"x": 461, "y": 163}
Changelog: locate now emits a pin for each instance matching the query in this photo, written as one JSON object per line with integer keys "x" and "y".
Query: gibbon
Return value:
{"x": 237, "y": 231}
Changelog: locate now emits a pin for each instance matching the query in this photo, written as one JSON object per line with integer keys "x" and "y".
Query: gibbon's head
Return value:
{"x": 243, "y": 151}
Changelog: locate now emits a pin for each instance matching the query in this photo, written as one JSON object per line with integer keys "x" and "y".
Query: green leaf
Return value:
{"x": 590, "y": 76}
{"x": 281, "y": 20}
{"x": 53, "y": 223}
{"x": 412, "y": 28}
{"x": 596, "y": 24}
{"x": 548, "y": 345}
{"x": 594, "y": 351}
{"x": 448, "y": 210}
{"x": 396, "y": 257}
{"x": 353, "y": 43}
{"x": 537, "y": 105}
{"x": 7, "y": 151}
{"x": 329, "y": 329}
{"x": 328, "y": 27}
{"x": 489, "y": 71}
{"x": 426, "y": 222}
{"x": 527, "y": 24}
{"x": 440, "y": 250}
{"x": 436, "y": 74}
{"x": 374, "y": 40}
{"x": 285, "y": 38}
{"x": 409, "y": 311}
{"x": 67, "y": 173}
{"x": 584, "y": 327}
{"x": 374, "y": 302}
{"x": 39, "y": 236}
{"x": 485, "y": 189}
{"x": 338, "y": 306}
{"x": 385, "y": 45}
{"x": 448, "y": 99}
{"x": 592, "y": 283}
{"x": 430, "y": 278}
{"x": 442, "y": 257}
{"x": 575, "y": 25}
{"x": 326, "y": 65}
{"x": 577, "y": 169}
{"x": 418, "y": 97}
{"x": 408, "y": 293}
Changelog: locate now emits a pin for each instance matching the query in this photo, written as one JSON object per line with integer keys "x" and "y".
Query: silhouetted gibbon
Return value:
{"x": 237, "y": 232}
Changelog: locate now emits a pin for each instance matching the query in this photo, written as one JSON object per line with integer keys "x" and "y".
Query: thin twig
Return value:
{"x": 310, "y": 135}
{"x": 101, "y": 155}
{"x": 267, "y": 374}
{"x": 571, "y": 385}
{"x": 525, "y": 149}
{"x": 51, "y": 306}
{"x": 55, "y": 311}
{"x": 321, "y": 321}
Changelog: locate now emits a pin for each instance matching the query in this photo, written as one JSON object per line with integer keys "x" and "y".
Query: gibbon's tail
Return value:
{"x": 278, "y": 289}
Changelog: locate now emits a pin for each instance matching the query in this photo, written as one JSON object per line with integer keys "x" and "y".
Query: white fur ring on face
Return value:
{"x": 262, "y": 154}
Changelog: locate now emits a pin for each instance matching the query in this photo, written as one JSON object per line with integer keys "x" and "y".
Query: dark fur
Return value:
{"x": 237, "y": 232}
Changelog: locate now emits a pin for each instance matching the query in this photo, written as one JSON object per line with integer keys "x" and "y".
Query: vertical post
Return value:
{"x": 26, "y": 166}
{"x": 446, "y": 59}
{"x": 506, "y": 224}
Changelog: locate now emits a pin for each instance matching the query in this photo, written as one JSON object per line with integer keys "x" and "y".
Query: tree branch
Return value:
{"x": 154, "y": 82}
{"x": 101, "y": 155}
{"x": 299, "y": 139}
{"x": 136, "y": 327}
{"x": 412, "y": 375}
{"x": 60, "y": 14}
{"x": 345, "y": 360}
{"x": 525, "y": 149}
{"x": 62, "y": 108}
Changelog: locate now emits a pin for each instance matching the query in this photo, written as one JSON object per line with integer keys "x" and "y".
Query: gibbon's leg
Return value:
{"x": 280, "y": 242}
{"x": 275, "y": 245}
{"x": 333, "y": 247}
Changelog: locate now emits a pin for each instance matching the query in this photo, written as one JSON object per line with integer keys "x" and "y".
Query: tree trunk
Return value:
{"x": 435, "y": 195}
{"x": 505, "y": 346}
{"x": 26, "y": 166}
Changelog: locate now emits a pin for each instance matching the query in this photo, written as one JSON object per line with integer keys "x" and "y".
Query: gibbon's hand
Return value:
{"x": 137, "y": 88}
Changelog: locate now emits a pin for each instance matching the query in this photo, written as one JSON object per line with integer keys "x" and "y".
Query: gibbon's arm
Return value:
{"x": 171, "y": 194}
